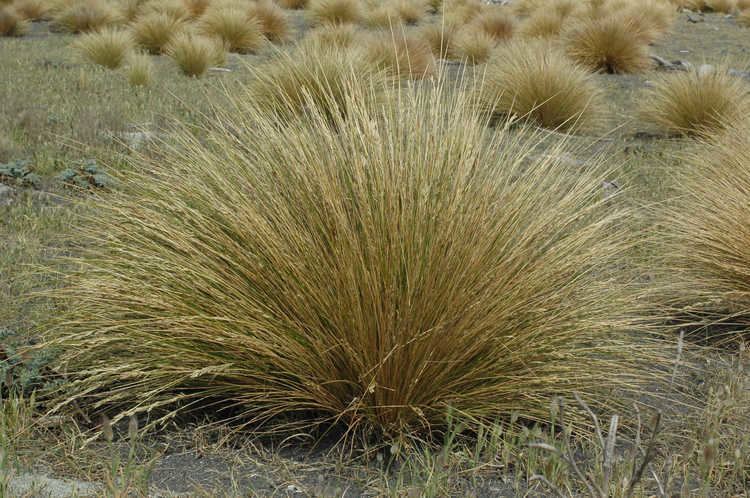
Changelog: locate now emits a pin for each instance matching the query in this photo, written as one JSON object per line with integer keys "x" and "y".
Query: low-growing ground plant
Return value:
{"x": 12, "y": 24}
{"x": 107, "y": 47}
{"x": 401, "y": 54}
{"x": 335, "y": 11}
{"x": 139, "y": 69}
{"x": 235, "y": 28}
{"x": 153, "y": 32}
{"x": 706, "y": 231}
{"x": 533, "y": 80}
{"x": 608, "y": 45}
{"x": 696, "y": 102}
{"x": 381, "y": 273}
{"x": 81, "y": 16}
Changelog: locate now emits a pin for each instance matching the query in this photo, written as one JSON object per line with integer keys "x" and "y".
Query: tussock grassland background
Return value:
{"x": 359, "y": 248}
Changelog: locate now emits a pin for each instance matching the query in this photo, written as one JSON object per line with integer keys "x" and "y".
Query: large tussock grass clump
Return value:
{"x": 696, "y": 102}
{"x": 708, "y": 230}
{"x": 107, "y": 47}
{"x": 609, "y": 45}
{"x": 535, "y": 81}
{"x": 377, "y": 273}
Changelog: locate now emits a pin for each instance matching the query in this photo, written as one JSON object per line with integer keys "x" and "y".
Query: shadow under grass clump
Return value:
{"x": 380, "y": 272}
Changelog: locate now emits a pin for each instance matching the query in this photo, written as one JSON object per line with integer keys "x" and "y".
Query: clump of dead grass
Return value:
{"x": 441, "y": 38}
{"x": 743, "y": 18}
{"x": 11, "y": 24}
{"x": 543, "y": 24}
{"x": 722, "y": 6}
{"x": 194, "y": 53}
{"x": 82, "y": 16}
{"x": 312, "y": 75}
{"x": 535, "y": 81}
{"x": 108, "y": 47}
{"x": 474, "y": 46}
{"x": 382, "y": 273}
{"x": 235, "y": 28}
{"x": 139, "y": 69}
{"x": 31, "y": 10}
{"x": 707, "y": 230}
{"x": 401, "y": 54}
{"x": 273, "y": 21}
{"x": 153, "y": 32}
{"x": 496, "y": 22}
{"x": 334, "y": 35}
{"x": 608, "y": 45}
{"x": 696, "y": 102}
{"x": 335, "y": 11}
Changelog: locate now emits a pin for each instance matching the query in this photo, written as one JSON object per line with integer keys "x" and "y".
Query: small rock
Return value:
{"x": 694, "y": 18}
{"x": 6, "y": 195}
